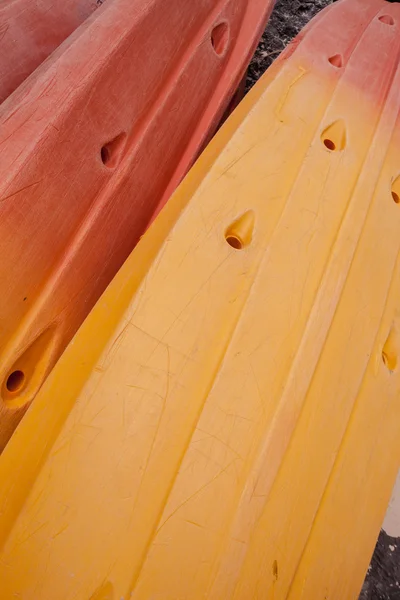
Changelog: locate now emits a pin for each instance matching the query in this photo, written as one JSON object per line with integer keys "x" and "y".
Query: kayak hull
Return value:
{"x": 31, "y": 31}
{"x": 93, "y": 145}
{"x": 218, "y": 426}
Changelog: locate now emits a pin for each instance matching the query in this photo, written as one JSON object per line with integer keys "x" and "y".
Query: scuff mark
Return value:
{"x": 284, "y": 98}
{"x": 3, "y": 30}
{"x": 20, "y": 190}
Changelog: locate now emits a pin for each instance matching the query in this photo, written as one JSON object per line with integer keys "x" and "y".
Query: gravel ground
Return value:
{"x": 288, "y": 18}
{"x": 383, "y": 577}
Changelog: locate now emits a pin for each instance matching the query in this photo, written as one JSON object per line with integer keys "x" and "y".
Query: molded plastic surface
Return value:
{"x": 92, "y": 145}
{"x": 225, "y": 424}
{"x": 30, "y": 30}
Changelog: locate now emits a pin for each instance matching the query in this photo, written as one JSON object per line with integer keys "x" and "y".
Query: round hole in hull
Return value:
{"x": 15, "y": 381}
{"x": 220, "y": 38}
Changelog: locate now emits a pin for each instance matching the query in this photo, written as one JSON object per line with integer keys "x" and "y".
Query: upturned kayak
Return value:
{"x": 225, "y": 424}
{"x": 93, "y": 144}
{"x": 31, "y": 31}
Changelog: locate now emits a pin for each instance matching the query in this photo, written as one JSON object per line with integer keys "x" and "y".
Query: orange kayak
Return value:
{"x": 31, "y": 31}
{"x": 93, "y": 144}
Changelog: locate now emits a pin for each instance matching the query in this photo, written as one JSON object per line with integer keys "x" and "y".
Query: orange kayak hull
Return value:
{"x": 93, "y": 144}
{"x": 31, "y": 31}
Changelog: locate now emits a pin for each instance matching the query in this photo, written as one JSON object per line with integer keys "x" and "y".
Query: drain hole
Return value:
{"x": 330, "y": 145}
{"x": 26, "y": 375}
{"x": 105, "y": 592}
{"x": 396, "y": 190}
{"x": 240, "y": 233}
{"x": 334, "y": 136}
{"x": 390, "y": 350}
{"x": 105, "y": 155}
{"x": 15, "y": 381}
{"x": 387, "y": 19}
{"x": 234, "y": 241}
{"x": 111, "y": 153}
{"x": 389, "y": 360}
{"x": 219, "y": 38}
{"x": 336, "y": 61}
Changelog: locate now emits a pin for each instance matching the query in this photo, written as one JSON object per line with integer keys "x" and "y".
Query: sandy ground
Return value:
{"x": 288, "y": 18}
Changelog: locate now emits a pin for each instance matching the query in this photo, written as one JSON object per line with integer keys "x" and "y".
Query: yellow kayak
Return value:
{"x": 225, "y": 424}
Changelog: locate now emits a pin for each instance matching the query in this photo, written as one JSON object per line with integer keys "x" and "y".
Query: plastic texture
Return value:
{"x": 93, "y": 144}
{"x": 225, "y": 424}
{"x": 31, "y": 30}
